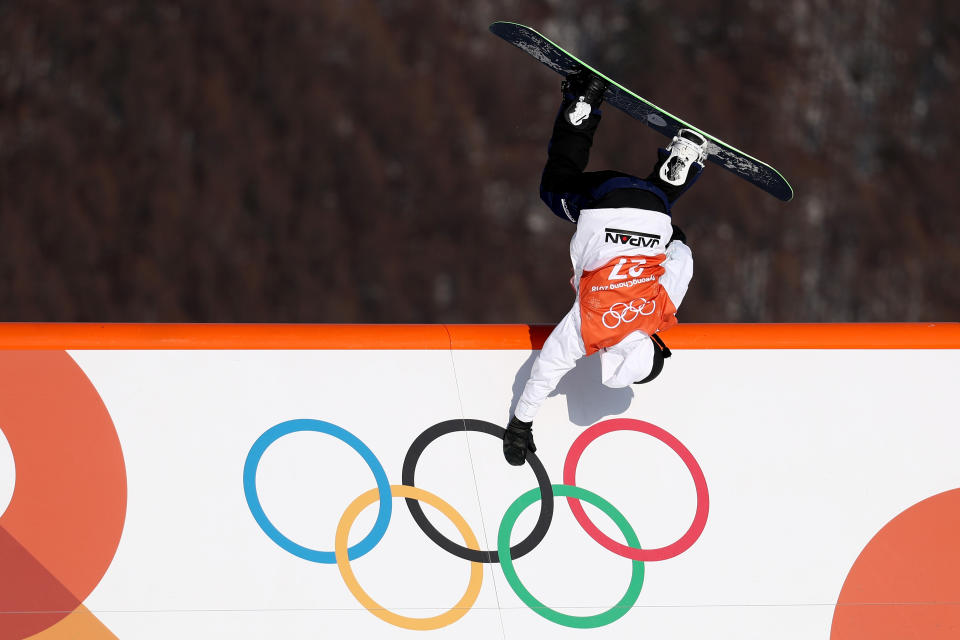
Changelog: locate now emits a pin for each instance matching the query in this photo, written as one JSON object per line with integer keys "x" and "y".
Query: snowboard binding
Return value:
{"x": 686, "y": 148}
{"x": 586, "y": 92}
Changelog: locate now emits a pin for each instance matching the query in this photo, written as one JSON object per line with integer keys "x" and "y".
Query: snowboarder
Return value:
{"x": 631, "y": 264}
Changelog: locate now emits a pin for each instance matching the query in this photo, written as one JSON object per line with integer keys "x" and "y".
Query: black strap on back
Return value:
{"x": 660, "y": 352}
{"x": 657, "y": 340}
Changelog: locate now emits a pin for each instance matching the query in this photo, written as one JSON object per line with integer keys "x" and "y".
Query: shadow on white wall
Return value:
{"x": 588, "y": 400}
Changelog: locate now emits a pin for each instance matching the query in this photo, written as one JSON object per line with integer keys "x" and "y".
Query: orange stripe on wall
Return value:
{"x": 917, "y": 335}
{"x": 221, "y": 336}
{"x": 907, "y": 335}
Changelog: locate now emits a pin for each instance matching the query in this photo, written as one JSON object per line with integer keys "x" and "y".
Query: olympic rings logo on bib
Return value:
{"x": 504, "y": 554}
{"x": 625, "y": 312}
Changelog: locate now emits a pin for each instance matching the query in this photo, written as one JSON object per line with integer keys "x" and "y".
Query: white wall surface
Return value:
{"x": 806, "y": 453}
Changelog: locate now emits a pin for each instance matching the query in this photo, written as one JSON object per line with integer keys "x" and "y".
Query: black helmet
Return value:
{"x": 660, "y": 353}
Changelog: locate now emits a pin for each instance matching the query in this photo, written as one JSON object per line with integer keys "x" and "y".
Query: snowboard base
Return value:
{"x": 563, "y": 62}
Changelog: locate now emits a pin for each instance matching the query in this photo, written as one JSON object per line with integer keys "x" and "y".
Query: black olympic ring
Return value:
{"x": 523, "y": 547}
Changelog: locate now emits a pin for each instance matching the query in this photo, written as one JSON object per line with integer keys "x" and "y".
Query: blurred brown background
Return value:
{"x": 378, "y": 161}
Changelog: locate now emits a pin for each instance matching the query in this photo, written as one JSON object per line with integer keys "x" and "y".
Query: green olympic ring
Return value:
{"x": 615, "y": 612}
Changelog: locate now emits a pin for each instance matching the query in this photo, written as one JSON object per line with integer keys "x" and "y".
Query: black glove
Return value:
{"x": 678, "y": 234}
{"x": 517, "y": 440}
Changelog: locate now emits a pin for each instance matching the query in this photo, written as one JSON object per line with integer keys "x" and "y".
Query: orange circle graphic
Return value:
{"x": 62, "y": 527}
{"x": 906, "y": 581}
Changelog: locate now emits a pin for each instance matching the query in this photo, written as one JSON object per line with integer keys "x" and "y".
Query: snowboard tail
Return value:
{"x": 719, "y": 152}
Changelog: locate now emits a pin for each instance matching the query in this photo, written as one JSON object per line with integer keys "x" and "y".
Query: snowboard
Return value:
{"x": 721, "y": 153}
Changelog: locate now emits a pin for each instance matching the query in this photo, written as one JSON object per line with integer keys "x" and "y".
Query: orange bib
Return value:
{"x": 621, "y": 297}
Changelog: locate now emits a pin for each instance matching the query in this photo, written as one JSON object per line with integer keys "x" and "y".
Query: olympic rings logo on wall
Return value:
{"x": 620, "y": 311}
{"x": 470, "y": 550}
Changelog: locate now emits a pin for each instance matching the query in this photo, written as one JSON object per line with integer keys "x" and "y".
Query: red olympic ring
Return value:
{"x": 627, "y": 424}
{"x": 63, "y": 524}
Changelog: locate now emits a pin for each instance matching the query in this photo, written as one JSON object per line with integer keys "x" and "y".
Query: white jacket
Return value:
{"x": 603, "y": 235}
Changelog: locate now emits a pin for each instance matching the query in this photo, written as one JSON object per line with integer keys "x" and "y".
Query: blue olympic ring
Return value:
{"x": 253, "y": 500}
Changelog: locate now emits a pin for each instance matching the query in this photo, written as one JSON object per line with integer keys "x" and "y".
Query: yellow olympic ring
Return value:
{"x": 417, "y": 624}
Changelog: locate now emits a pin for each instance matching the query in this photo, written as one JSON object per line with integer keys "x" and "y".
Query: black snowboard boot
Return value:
{"x": 585, "y": 90}
{"x": 680, "y": 164}
{"x": 688, "y": 147}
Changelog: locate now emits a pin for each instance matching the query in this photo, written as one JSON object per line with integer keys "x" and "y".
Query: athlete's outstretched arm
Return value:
{"x": 559, "y": 354}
